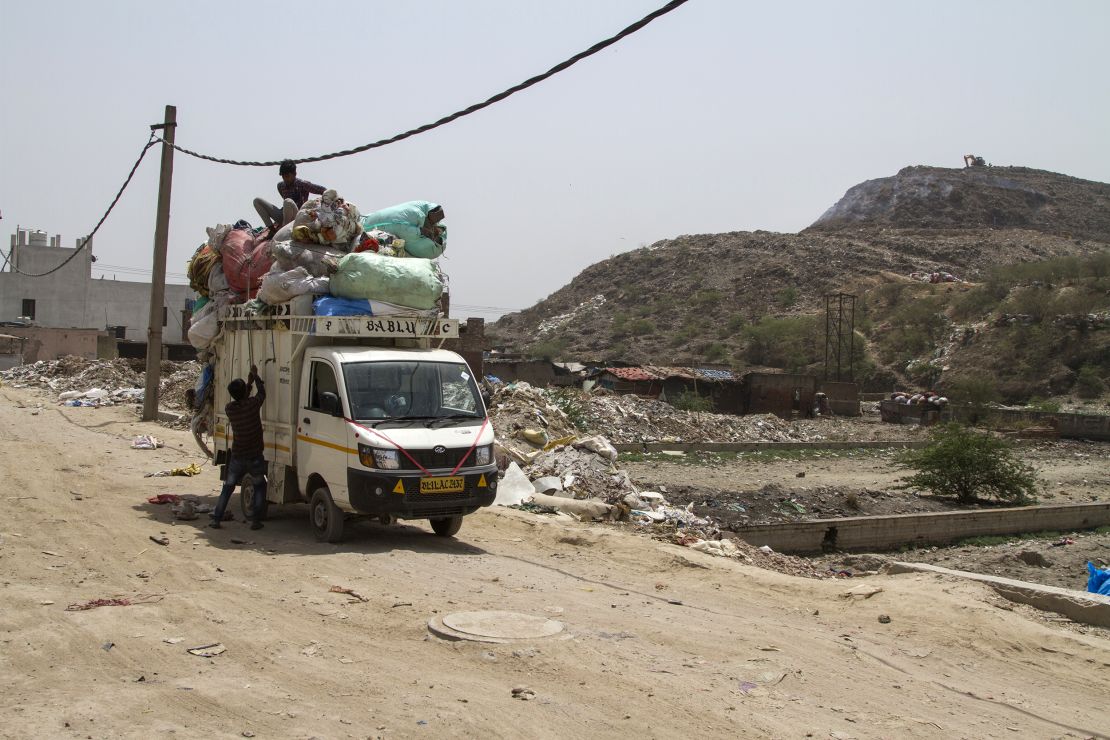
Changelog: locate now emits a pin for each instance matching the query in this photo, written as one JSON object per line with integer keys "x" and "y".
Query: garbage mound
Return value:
{"x": 627, "y": 419}
{"x": 82, "y": 382}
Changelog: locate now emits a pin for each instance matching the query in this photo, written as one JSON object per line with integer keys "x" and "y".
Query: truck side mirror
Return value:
{"x": 329, "y": 404}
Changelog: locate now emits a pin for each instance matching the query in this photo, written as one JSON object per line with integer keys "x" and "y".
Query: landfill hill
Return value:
{"x": 976, "y": 198}
{"x": 750, "y": 300}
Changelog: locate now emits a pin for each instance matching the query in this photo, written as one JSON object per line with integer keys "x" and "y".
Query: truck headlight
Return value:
{"x": 374, "y": 457}
{"x": 483, "y": 455}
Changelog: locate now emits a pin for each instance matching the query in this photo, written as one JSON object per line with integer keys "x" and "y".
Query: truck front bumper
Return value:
{"x": 378, "y": 493}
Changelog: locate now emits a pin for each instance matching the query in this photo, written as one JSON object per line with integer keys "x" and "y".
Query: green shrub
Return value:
{"x": 975, "y": 390}
{"x": 548, "y": 350}
{"x": 570, "y": 403}
{"x": 692, "y": 401}
{"x": 1088, "y": 384}
{"x": 640, "y": 327}
{"x": 706, "y": 298}
{"x": 790, "y": 343}
{"x": 969, "y": 465}
{"x": 715, "y": 352}
{"x": 1043, "y": 405}
{"x": 787, "y": 297}
{"x": 736, "y": 322}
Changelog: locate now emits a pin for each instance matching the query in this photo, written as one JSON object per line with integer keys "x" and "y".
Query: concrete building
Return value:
{"x": 71, "y": 298}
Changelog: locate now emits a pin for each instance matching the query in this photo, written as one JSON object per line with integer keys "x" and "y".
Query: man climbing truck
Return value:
{"x": 362, "y": 416}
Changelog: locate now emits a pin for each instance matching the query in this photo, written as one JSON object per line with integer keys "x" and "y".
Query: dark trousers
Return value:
{"x": 236, "y": 469}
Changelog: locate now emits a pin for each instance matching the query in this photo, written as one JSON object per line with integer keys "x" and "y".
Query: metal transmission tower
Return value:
{"x": 840, "y": 333}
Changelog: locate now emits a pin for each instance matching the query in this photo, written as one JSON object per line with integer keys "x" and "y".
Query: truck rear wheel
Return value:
{"x": 325, "y": 516}
{"x": 447, "y": 526}
{"x": 246, "y": 497}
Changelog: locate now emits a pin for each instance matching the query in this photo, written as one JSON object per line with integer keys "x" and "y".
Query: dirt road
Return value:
{"x": 663, "y": 641}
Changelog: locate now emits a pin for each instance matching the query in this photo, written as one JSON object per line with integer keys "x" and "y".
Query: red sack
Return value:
{"x": 245, "y": 260}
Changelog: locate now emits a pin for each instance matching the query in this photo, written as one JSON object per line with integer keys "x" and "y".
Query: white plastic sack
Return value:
{"x": 204, "y": 327}
{"x": 514, "y": 488}
{"x": 313, "y": 257}
{"x": 217, "y": 281}
{"x": 279, "y": 287}
{"x": 327, "y": 220}
{"x": 599, "y": 445}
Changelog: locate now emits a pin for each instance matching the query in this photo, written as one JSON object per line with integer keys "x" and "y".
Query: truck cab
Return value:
{"x": 362, "y": 417}
{"x": 392, "y": 434}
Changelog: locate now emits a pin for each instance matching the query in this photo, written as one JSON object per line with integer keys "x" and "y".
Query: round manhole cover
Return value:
{"x": 494, "y": 626}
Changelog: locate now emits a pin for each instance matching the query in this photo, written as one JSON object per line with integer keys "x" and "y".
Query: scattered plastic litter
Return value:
{"x": 146, "y": 442}
{"x": 348, "y": 591}
{"x": 95, "y": 603}
{"x": 208, "y": 651}
{"x": 189, "y": 470}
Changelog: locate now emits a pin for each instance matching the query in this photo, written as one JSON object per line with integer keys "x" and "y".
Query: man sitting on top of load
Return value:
{"x": 294, "y": 193}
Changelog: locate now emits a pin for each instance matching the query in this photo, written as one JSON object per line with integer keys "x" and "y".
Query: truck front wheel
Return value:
{"x": 447, "y": 526}
{"x": 325, "y": 516}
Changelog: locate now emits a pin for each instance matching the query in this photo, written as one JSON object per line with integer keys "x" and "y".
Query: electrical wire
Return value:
{"x": 599, "y": 46}
{"x": 88, "y": 239}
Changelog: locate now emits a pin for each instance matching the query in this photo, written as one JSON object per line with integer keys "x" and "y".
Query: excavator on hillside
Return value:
{"x": 970, "y": 160}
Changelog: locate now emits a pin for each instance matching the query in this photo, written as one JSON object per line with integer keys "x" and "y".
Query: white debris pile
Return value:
{"x": 713, "y": 543}
{"x": 629, "y": 418}
{"x": 581, "y": 471}
{"x": 82, "y": 382}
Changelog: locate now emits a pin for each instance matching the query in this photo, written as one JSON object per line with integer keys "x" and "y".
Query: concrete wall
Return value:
{"x": 889, "y": 532}
{"x": 773, "y": 393}
{"x": 70, "y": 298}
{"x": 540, "y": 373}
{"x": 1075, "y": 426}
{"x": 843, "y": 397}
{"x": 471, "y": 344}
{"x": 44, "y": 343}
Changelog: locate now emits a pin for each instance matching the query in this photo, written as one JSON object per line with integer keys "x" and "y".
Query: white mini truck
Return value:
{"x": 362, "y": 416}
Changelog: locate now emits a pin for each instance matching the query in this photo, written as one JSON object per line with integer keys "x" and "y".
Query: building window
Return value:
{"x": 165, "y": 315}
{"x": 29, "y": 308}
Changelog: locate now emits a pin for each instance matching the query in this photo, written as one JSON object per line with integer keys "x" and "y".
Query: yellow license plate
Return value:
{"x": 454, "y": 484}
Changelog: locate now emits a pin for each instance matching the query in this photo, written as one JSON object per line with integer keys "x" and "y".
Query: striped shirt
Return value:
{"x": 246, "y": 425}
{"x": 299, "y": 191}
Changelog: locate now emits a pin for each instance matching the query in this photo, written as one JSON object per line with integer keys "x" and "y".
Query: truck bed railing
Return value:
{"x": 282, "y": 317}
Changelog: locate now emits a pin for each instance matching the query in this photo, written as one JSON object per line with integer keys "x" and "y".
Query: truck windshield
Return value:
{"x": 412, "y": 390}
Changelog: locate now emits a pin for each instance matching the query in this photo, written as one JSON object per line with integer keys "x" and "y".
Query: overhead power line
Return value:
{"x": 154, "y": 138}
{"x": 599, "y": 46}
{"x": 88, "y": 239}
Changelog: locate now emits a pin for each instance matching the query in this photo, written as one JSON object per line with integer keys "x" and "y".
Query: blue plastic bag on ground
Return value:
{"x": 1098, "y": 581}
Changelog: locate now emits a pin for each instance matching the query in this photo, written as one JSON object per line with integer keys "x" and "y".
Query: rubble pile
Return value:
{"x": 760, "y": 557}
{"x": 581, "y": 474}
{"x": 81, "y": 382}
{"x": 630, "y": 419}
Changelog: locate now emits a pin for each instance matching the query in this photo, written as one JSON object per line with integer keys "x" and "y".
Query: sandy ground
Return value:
{"x": 663, "y": 641}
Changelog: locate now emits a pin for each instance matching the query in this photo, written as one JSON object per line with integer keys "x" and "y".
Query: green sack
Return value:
{"x": 406, "y": 281}
{"x": 404, "y": 221}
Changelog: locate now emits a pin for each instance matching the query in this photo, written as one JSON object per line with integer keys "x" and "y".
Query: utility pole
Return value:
{"x": 158, "y": 274}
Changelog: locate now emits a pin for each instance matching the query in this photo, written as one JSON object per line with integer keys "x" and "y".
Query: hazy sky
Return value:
{"x": 723, "y": 115}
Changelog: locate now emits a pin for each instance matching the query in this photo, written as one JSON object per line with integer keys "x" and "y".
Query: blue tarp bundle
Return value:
{"x": 1098, "y": 581}
{"x": 330, "y": 305}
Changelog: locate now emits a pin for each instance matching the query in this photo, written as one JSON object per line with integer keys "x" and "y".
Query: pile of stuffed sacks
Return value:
{"x": 926, "y": 398}
{"x": 378, "y": 264}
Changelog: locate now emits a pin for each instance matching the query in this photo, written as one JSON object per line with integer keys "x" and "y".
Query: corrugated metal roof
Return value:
{"x": 715, "y": 374}
{"x": 630, "y": 373}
